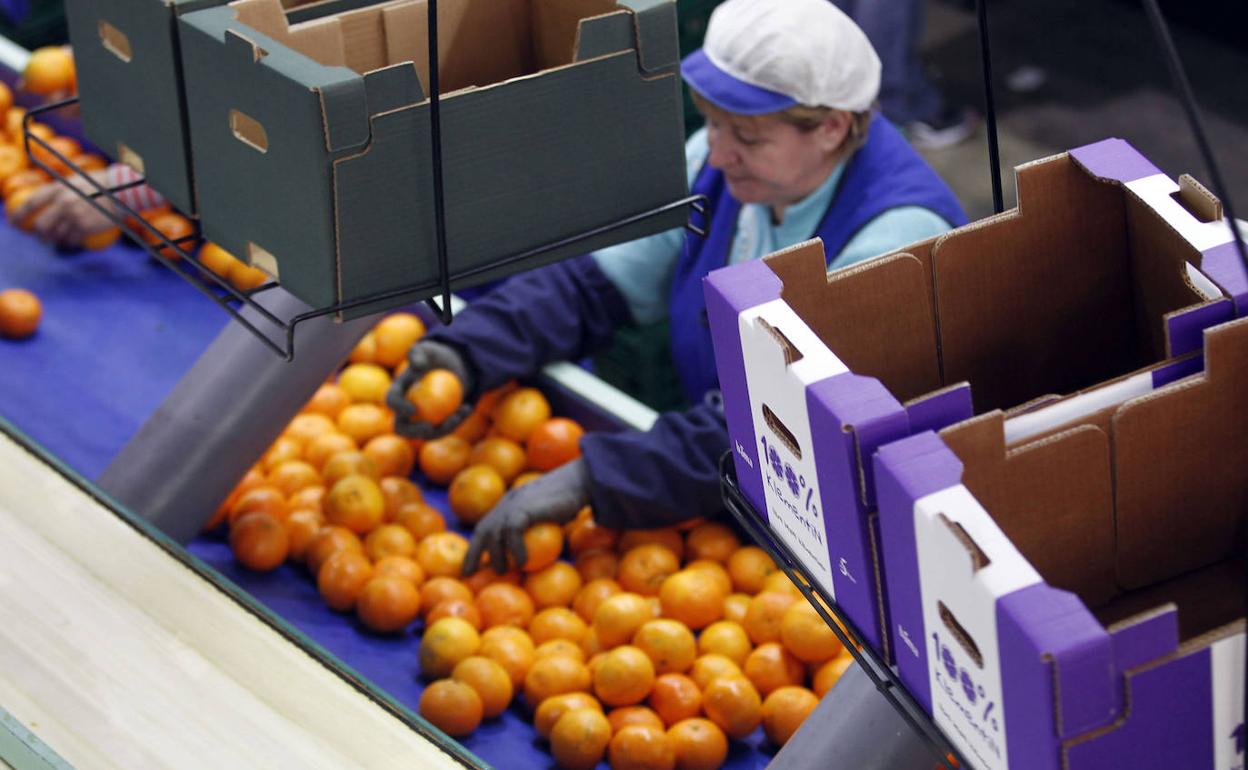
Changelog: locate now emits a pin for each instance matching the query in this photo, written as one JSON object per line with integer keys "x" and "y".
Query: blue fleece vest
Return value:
{"x": 884, "y": 174}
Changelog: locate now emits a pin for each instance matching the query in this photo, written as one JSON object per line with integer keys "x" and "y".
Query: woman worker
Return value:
{"x": 791, "y": 150}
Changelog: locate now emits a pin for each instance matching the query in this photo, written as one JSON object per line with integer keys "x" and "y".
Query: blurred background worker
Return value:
{"x": 791, "y": 150}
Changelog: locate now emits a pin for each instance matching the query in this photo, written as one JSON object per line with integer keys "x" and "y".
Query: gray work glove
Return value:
{"x": 555, "y": 497}
{"x": 423, "y": 357}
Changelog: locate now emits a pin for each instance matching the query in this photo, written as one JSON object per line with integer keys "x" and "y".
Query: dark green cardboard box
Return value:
{"x": 311, "y": 141}
{"x": 130, "y": 83}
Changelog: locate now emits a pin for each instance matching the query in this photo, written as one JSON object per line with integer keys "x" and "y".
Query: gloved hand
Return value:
{"x": 422, "y": 357}
{"x": 555, "y": 497}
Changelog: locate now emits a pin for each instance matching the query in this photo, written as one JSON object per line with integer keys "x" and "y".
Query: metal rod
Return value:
{"x": 435, "y": 144}
{"x": 990, "y": 107}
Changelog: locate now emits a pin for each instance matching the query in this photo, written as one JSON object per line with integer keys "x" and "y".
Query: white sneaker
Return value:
{"x": 952, "y": 127}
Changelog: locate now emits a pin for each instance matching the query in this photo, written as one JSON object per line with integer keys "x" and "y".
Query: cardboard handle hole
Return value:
{"x": 791, "y": 354}
{"x": 249, "y": 131}
{"x": 783, "y": 434}
{"x": 1198, "y": 201}
{"x": 960, "y": 634}
{"x": 114, "y": 40}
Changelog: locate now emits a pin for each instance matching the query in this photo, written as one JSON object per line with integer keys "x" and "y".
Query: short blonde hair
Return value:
{"x": 802, "y": 117}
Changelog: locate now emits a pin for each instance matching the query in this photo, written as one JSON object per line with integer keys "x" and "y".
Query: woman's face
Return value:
{"x": 768, "y": 161}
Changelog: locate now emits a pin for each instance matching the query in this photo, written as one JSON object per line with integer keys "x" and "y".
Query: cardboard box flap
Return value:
{"x": 1202, "y": 600}
{"x": 656, "y": 42}
{"x": 1145, "y": 637}
{"x": 554, "y": 25}
{"x": 875, "y": 315}
{"x": 479, "y": 43}
{"x": 605, "y": 35}
{"x": 344, "y": 104}
{"x": 317, "y": 39}
{"x": 1053, "y": 498}
{"x": 940, "y": 409}
{"x": 392, "y": 88}
{"x": 1185, "y": 329}
{"x": 1180, "y": 455}
{"x": 1113, "y": 160}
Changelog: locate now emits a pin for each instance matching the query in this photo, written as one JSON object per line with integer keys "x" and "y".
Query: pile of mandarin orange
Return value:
{"x": 652, "y": 648}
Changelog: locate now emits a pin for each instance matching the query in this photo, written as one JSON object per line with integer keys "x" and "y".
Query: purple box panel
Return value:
{"x": 728, "y": 292}
{"x": 1149, "y": 639}
{"x": 1167, "y": 374}
{"x": 1168, "y": 724}
{"x": 1187, "y": 329}
{"x": 939, "y": 411}
{"x": 905, "y": 471}
{"x": 1224, "y": 267}
{"x": 841, "y": 409}
{"x": 1114, "y": 159}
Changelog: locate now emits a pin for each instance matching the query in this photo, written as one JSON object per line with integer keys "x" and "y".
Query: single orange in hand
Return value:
{"x": 503, "y": 604}
{"x": 699, "y": 744}
{"x": 436, "y": 396}
{"x": 442, "y": 458}
{"x": 474, "y": 492}
{"x": 342, "y": 578}
{"x": 579, "y": 739}
{"x": 785, "y": 710}
{"x": 489, "y": 679}
{"x": 388, "y": 603}
{"x": 259, "y": 541}
{"x": 553, "y": 443}
{"x": 20, "y": 312}
{"x": 520, "y": 412}
{"x": 637, "y": 747}
{"x": 675, "y": 697}
{"x": 452, "y": 707}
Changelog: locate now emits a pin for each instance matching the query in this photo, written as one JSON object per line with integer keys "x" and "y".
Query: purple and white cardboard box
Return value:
{"x": 1018, "y": 673}
{"x": 799, "y": 426}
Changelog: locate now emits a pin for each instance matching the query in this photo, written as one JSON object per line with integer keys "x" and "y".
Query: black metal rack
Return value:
{"x": 278, "y": 333}
{"x": 885, "y": 681}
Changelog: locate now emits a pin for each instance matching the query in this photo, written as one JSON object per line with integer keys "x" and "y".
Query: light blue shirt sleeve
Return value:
{"x": 888, "y": 232}
{"x": 642, "y": 269}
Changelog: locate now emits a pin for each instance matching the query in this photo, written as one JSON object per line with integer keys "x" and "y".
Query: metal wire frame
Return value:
{"x": 889, "y": 686}
{"x": 277, "y": 333}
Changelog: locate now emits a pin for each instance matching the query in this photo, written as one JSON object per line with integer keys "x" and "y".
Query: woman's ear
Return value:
{"x": 834, "y": 130}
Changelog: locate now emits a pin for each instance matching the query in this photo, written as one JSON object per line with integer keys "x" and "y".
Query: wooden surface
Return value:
{"x": 117, "y": 655}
